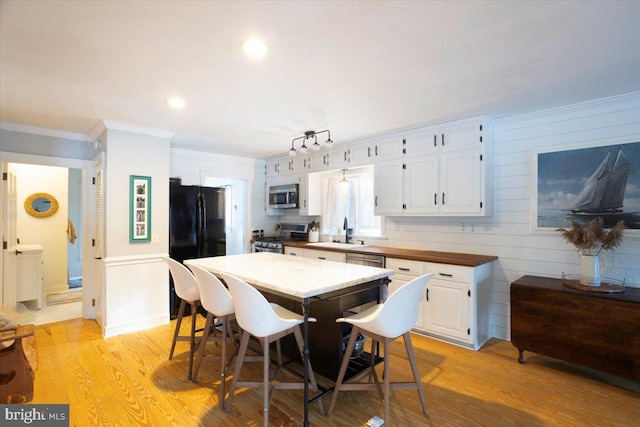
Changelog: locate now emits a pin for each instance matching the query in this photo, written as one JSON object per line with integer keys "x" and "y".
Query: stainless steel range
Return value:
{"x": 275, "y": 243}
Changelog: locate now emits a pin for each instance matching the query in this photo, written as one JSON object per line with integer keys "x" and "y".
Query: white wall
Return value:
{"x": 49, "y": 232}
{"x": 135, "y": 291}
{"x": 135, "y": 154}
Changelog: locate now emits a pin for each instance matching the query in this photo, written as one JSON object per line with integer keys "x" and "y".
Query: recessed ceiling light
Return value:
{"x": 176, "y": 102}
{"x": 255, "y": 48}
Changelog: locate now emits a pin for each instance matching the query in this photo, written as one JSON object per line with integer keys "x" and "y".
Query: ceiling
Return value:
{"x": 359, "y": 68}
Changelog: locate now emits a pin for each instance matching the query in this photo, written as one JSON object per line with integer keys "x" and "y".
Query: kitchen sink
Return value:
{"x": 337, "y": 245}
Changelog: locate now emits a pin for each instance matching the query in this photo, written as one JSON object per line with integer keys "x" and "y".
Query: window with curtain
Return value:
{"x": 352, "y": 199}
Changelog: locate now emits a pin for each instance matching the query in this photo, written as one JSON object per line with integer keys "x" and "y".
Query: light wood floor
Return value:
{"x": 128, "y": 381}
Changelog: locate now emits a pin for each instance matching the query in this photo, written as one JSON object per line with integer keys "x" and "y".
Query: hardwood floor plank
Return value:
{"x": 128, "y": 381}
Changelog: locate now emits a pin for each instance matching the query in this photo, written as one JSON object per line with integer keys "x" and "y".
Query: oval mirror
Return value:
{"x": 41, "y": 205}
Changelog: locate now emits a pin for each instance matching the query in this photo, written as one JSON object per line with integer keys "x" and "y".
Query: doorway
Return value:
{"x": 235, "y": 212}
{"x": 69, "y": 288}
{"x": 50, "y": 223}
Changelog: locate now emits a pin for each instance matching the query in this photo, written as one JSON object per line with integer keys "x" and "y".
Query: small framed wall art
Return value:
{"x": 140, "y": 209}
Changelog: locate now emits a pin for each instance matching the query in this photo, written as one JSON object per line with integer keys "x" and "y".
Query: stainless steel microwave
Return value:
{"x": 283, "y": 196}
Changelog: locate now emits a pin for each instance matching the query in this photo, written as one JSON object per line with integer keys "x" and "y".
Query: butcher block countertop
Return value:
{"x": 467, "y": 260}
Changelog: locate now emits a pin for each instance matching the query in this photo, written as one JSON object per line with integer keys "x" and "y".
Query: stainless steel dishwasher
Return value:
{"x": 372, "y": 261}
{"x": 364, "y": 259}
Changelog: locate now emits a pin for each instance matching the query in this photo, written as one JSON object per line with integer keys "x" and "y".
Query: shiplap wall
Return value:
{"x": 507, "y": 234}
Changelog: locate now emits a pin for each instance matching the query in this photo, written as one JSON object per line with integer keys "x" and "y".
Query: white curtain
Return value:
{"x": 353, "y": 200}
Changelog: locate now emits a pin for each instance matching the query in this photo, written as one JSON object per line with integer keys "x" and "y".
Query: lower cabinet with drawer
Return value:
{"x": 404, "y": 272}
{"x": 456, "y": 306}
{"x": 325, "y": 255}
{"x": 315, "y": 254}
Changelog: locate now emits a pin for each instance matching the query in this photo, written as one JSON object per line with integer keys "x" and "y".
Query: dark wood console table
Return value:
{"x": 596, "y": 330}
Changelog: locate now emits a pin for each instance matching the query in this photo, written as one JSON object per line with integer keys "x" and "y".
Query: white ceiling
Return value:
{"x": 357, "y": 68}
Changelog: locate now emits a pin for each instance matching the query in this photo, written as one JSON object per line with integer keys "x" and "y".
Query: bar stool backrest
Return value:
{"x": 214, "y": 296}
{"x": 253, "y": 312}
{"x": 183, "y": 281}
{"x": 399, "y": 313}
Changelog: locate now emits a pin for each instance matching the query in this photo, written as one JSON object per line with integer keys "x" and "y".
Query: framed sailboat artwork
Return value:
{"x": 586, "y": 182}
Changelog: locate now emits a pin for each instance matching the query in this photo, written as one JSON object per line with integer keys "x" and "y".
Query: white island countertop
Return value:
{"x": 294, "y": 276}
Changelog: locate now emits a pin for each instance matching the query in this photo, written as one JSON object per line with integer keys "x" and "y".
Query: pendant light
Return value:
{"x": 343, "y": 182}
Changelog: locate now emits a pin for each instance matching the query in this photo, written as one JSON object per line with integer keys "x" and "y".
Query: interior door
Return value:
{"x": 8, "y": 202}
{"x": 98, "y": 239}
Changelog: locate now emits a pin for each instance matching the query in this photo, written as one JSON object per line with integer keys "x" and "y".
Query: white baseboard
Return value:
{"x": 112, "y": 331}
{"x": 55, "y": 290}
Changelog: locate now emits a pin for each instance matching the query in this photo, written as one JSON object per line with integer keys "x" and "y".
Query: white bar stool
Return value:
{"x": 215, "y": 298}
{"x": 187, "y": 289}
{"x": 267, "y": 322}
{"x": 385, "y": 323}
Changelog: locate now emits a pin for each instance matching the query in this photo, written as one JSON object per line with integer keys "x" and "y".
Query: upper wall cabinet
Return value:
{"x": 277, "y": 167}
{"x": 288, "y": 165}
{"x": 445, "y": 170}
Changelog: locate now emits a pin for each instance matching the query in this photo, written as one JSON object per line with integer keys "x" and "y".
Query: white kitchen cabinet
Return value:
{"x": 462, "y": 135}
{"x": 387, "y": 148}
{"x": 457, "y": 304}
{"x": 321, "y": 161}
{"x": 360, "y": 154}
{"x": 290, "y": 250}
{"x": 388, "y": 182}
{"x": 420, "y": 181}
{"x": 325, "y": 255}
{"x": 423, "y": 142}
{"x": 310, "y": 193}
{"x": 461, "y": 183}
{"x": 315, "y": 254}
{"x": 452, "y": 179}
{"x": 29, "y": 273}
{"x": 340, "y": 157}
{"x": 276, "y": 167}
{"x": 404, "y": 272}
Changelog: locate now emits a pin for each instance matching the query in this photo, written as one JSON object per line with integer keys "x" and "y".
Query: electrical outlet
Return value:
{"x": 154, "y": 238}
{"x": 487, "y": 228}
{"x": 463, "y": 228}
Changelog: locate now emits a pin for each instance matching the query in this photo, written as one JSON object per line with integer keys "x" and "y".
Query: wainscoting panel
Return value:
{"x": 136, "y": 292}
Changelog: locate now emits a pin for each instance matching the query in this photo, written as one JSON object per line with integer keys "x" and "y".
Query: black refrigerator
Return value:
{"x": 196, "y": 226}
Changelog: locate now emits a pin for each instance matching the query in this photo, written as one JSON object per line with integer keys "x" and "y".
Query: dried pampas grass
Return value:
{"x": 593, "y": 238}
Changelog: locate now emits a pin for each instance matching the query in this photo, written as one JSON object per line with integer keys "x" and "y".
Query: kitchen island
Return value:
{"x": 321, "y": 289}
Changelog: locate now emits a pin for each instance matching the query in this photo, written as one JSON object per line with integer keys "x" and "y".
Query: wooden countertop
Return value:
{"x": 467, "y": 260}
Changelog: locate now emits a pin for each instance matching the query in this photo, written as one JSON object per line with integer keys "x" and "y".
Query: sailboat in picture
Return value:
{"x": 603, "y": 191}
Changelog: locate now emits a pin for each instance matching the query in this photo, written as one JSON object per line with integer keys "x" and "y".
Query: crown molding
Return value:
{"x": 143, "y": 130}
{"x": 578, "y": 108}
{"x": 14, "y": 127}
